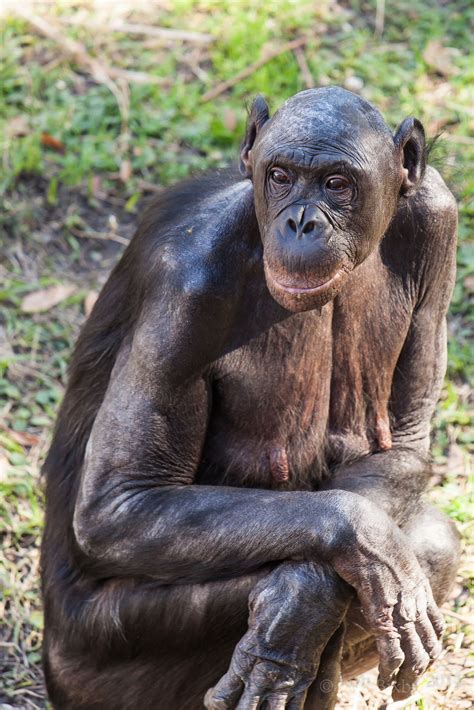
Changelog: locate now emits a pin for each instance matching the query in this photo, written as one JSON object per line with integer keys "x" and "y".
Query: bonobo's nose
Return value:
{"x": 305, "y": 222}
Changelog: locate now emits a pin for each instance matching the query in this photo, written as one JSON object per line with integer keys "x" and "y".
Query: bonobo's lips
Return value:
{"x": 303, "y": 293}
{"x": 307, "y": 290}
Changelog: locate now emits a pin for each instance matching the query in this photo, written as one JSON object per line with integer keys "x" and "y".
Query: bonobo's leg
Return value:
{"x": 136, "y": 644}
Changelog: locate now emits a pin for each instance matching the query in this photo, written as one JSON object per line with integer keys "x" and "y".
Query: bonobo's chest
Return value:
{"x": 311, "y": 391}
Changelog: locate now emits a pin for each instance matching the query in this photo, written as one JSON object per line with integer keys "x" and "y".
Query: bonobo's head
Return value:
{"x": 327, "y": 175}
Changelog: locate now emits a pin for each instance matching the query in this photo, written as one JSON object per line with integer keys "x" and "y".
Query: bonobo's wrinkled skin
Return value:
{"x": 247, "y": 424}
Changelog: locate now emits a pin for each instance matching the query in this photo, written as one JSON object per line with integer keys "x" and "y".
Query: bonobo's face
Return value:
{"x": 327, "y": 177}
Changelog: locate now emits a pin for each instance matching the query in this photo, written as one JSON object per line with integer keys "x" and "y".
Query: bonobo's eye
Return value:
{"x": 339, "y": 186}
{"x": 278, "y": 176}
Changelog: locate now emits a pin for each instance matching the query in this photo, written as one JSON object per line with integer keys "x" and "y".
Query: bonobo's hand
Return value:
{"x": 294, "y": 611}
{"x": 375, "y": 558}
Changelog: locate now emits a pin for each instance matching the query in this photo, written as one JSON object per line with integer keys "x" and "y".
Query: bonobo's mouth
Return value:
{"x": 300, "y": 294}
{"x": 315, "y": 290}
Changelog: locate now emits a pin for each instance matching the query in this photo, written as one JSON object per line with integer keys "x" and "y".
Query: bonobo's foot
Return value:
{"x": 294, "y": 612}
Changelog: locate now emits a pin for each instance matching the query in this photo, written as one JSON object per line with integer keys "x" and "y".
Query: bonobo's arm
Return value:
{"x": 394, "y": 479}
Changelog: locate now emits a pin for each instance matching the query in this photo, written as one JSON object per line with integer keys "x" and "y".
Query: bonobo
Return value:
{"x": 247, "y": 426}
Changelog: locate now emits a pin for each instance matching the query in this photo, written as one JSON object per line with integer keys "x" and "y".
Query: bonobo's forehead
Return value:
{"x": 331, "y": 121}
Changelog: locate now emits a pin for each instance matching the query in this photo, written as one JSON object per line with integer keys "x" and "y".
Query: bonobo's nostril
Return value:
{"x": 292, "y": 225}
{"x": 309, "y": 226}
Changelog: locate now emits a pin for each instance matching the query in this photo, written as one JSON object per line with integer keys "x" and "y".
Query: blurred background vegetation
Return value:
{"x": 102, "y": 103}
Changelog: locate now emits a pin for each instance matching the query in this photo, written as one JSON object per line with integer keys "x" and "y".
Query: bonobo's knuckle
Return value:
{"x": 212, "y": 702}
{"x": 382, "y": 622}
{"x": 280, "y": 677}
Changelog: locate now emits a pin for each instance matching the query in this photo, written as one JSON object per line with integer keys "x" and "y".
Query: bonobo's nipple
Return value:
{"x": 278, "y": 463}
{"x": 383, "y": 433}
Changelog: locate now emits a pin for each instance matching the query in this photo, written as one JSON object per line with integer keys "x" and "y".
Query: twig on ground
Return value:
{"x": 103, "y": 236}
{"x": 403, "y": 703}
{"x": 268, "y": 54}
{"x": 304, "y": 68}
{"x": 149, "y": 186}
{"x": 453, "y": 138}
{"x": 20, "y": 369}
{"x": 379, "y": 17}
{"x": 138, "y": 77}
{"x": 459, "y": 617}
{"x": 164, "y": 34}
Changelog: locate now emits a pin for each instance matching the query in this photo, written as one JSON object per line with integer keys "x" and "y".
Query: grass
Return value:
{"x": 77, "y": 155}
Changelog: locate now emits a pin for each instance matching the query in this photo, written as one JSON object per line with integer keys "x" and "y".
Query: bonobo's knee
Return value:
{"x": 435, "y": 542}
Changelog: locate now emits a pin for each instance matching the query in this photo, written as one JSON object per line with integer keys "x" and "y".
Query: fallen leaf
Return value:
{"x": 469, "y": 283}
{"x": 89, "y": 302}
{"x": 125, "y": 170}
{"x": 440, "y": 58}
{"x": 50, "y": 141}
{"x": 354, "y": 83}
{"x": 457, "y": 463}
{"x": 4, "y": 467}
{"x": 18, "y": 126}
{"x": 230, "y": 119}
{"x": 96, "y": 185}
{"x": 23, "y": 437}
{"x": 46, "y": 298}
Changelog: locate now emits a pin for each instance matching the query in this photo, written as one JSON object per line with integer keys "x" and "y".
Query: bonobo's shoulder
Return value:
{"x": 428, "y": 219}
{"x": 197, "y": 232}
{"x": 434, "y": 198}
{"x": 420, "y": 243}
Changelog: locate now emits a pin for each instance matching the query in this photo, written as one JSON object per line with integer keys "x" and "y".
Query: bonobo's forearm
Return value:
{"x": 198, "y": 533}
{"x": 394, "y": 480}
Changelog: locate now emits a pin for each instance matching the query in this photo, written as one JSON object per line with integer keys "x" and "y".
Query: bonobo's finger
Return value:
{"x": 427, "y": 634}
{"x": 250, "y": 699}
{"x": 297, "y": 701}
{"x": 276, "y": 701}
{"x": 225, "y": 694}
{"x": 391, "y": 658}
{"x": 415, "y": 663}
{"x": 435, "y": 616}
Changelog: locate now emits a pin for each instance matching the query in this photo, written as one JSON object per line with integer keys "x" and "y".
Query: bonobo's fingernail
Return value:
{"x": 401, "y": 693}
{"x": 386, "y": 681}
{"x": 208, "y": 699}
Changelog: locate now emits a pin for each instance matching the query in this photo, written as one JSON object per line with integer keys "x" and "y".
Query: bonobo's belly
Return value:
{"x": 311, "y": 392}
{"x": 270, "y": 407}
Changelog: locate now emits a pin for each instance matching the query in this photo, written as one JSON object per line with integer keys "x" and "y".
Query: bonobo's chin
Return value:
{"x": 298, "y": 294}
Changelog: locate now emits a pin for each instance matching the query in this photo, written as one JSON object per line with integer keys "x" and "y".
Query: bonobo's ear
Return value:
{"x": 258, "y": 116}
{"x": 410, "y": 141}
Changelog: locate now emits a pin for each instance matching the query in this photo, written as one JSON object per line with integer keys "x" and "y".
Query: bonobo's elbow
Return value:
{"x": 122, "y": 534}
{"x": 99, "y": 528}
{"x": 88, "y": 530}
